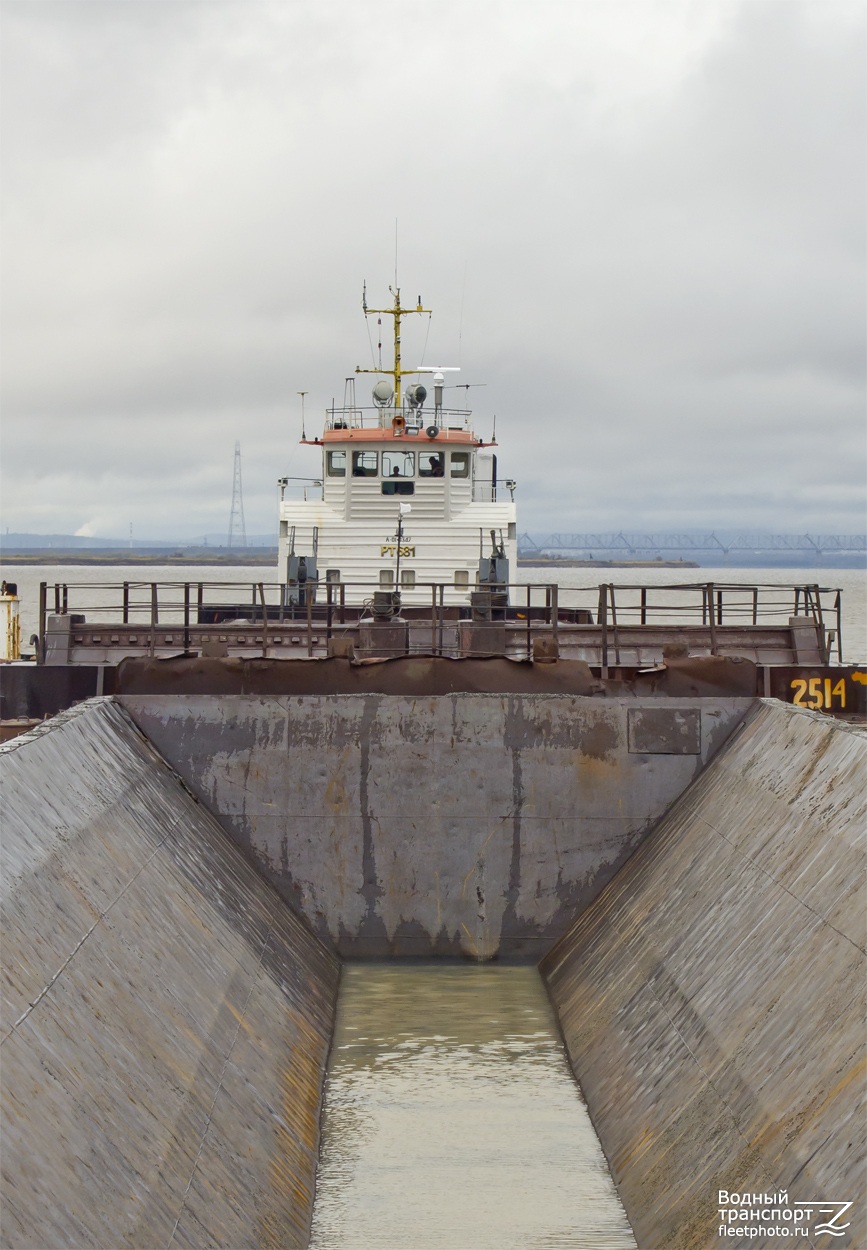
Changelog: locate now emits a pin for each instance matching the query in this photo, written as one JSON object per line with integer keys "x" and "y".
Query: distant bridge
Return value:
{"x": 657, "y": 544}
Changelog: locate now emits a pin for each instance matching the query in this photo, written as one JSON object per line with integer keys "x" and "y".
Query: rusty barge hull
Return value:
{"x": 182, "y": 875}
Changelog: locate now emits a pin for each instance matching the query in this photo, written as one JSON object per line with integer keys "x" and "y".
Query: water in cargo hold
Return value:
{"x": 452, "y": 1119}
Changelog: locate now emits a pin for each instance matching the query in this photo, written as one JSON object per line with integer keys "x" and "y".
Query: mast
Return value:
{"x": 397, "y": 312}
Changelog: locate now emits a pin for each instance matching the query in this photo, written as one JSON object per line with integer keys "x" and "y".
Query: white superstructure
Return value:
{"x": 409, "y": 496}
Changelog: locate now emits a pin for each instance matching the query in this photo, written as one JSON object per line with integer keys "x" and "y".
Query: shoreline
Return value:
{"x": 556, "y": 563}
{"x": 116, "y": 558}
{"x": 267, "y": 558}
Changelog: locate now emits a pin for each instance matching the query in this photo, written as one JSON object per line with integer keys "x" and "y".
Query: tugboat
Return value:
{"x": 409, "y": 495}
{"x": 411, "y": 551}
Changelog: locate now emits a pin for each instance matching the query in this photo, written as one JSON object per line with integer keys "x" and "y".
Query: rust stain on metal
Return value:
{"x": 380, "y": 842}
{"x": 600, "y": 740}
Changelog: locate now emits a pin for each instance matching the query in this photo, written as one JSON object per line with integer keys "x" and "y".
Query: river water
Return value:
{"x": 452, "y": 1119}
{"x": 578, "y": 586}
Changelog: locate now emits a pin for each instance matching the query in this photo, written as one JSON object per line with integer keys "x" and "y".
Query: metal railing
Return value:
{"x": 715, "y": 605}
{"x": 314, "y": 612}
{"x": 356, "y": 417}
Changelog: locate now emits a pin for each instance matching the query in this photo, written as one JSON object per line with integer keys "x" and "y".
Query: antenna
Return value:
{"x": 237, "y": 529}
{"x": 461, "y": 319}
{"x": 396, "y": 312}
{"x": 465, "y": 387}
{"x": 302, "y": 394}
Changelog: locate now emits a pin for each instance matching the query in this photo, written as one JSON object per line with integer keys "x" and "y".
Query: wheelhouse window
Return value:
{"x": 462, "y": 577}
{"x": 398, "y": 467}
{"x": 386, "y": 577}
{"x": 431, "y": 464}
{"x": 365, "y": 463}
{"x": 335, "y": 464}
{"x": 407, "y": 577}
{"x": 398, "y": 463}
{"x": 460, "y": 464}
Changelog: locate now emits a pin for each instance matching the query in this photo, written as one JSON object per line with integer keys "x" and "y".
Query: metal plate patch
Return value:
{"x": 664, "y": 731}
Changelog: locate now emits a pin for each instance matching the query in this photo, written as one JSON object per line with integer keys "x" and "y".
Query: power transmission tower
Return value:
{"x": 237, "y": 529}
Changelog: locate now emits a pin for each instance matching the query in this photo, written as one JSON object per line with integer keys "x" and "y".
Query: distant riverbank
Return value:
{"x": 228, "y": 559}
{"x": 555, "y": 562}
{"x": 268, "y": 559}
{"x": 225, "y": 558}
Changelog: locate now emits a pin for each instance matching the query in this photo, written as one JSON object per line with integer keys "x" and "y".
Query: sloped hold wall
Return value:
{"x": 713, "y": 996}
{"x": 165, "y": 1018}
{"x": 474, "y": 825}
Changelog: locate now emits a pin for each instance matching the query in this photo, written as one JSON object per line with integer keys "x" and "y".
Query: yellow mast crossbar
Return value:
{"x": 397, "y": 312}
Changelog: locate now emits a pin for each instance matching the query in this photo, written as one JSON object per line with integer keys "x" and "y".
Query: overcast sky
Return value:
{"x": 640, "y": 226}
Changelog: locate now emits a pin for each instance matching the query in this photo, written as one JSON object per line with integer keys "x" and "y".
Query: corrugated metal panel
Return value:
{"x": 165, "y": 1018}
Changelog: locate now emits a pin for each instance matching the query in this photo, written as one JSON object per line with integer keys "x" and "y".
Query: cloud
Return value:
{"x": 640, "y": 225}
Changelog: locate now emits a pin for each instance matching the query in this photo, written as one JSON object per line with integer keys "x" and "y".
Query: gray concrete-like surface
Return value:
{"x": 474, "y": 825}
{"x": 713, "y": 997}
{"x": 165, "y": 1018}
